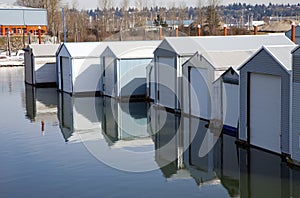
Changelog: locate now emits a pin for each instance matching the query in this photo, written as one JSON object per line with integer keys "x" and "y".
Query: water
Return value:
{"x": 54, "y": 145}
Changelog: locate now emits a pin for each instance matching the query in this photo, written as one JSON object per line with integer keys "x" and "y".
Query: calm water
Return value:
{"x": 53, "y": 145}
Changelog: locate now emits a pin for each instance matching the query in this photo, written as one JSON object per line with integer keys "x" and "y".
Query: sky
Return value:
{"x": 92, "y": 4}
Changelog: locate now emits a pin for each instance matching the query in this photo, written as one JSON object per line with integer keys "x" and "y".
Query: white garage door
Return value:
{"x": 265, "y": 111}
{"x": 230, "y": 104}
{"x": 200, "y": 103}
{"x": 166, "y": 82}
{"x": 65, "y": 75}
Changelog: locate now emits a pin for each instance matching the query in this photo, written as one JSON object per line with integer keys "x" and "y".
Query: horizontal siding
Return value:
{"x": 296, "y": 68}
{"x": 265, "y": 64}
{"x": 296, "y": 122}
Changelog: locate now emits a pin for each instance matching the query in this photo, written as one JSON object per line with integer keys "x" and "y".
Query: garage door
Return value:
{"x": 230, "y": 104}
{"x": 65, "y": 75}
{"x": 166, "y": 82}
{"x": 265, "y": 111}
{"x": 200, "y": 103}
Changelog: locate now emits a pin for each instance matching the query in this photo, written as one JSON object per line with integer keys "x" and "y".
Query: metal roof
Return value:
{"x": 85, "y": 49}
{"x": 44, "y": 50}
{"x": 187, "y": 46}
{"x": 133, "y": 49}
{"x": 15, "y": 7}
{"x": 224, "y": 59}
{"x": 282, "y": 54}
{"x": 17, "y": 15}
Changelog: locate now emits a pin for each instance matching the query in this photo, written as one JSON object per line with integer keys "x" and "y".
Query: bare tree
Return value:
{"x": 200, "y": 5}
{"x": 212, "y": 16}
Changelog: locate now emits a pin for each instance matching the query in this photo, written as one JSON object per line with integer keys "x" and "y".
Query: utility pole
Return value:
{"x": 8, "y": 43}
{"x": 64, "y": 25}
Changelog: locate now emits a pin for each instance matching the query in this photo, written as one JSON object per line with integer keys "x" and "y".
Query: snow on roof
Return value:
{"x": 44, "y": 50}
{"x": 187, "y": 46}
{"x": 133, "y": 49}
{"x": 5, "y": 6}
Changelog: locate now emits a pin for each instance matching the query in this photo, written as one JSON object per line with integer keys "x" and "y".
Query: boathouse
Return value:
{"x": 124, "y": 67}
{"x": 265, "y": 99}
{"x": 79, "y": 69}
{"x": 40, "y": 65}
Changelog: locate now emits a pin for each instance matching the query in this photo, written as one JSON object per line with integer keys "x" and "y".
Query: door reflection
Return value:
{"x": 167, "y": 141}
{"x": 80, "y": 117}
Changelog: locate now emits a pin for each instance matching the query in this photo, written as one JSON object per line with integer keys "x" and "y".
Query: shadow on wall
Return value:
{"x": 46, "y": 74}
{"x": 135, "y": 88}
{"x": 88, "y": 80}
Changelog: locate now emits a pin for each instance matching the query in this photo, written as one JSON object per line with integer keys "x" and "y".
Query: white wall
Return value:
{"x": 86, "y": 75}
{"x": 45, "y": 69}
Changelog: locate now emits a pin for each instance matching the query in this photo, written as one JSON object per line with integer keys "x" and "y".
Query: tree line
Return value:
{"x": 107, "y": 19}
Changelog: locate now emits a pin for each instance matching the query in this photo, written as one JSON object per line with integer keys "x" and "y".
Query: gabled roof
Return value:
{"x": 296, "y": 49}
{"x": 187, "y": 46}
{"x": 85, "y": 49}
{"x": 225, "y": 59}
{"x": 280, "y": 53}
{"x": 133, "y": 49}
{"x": 44, "y": 50}
{"x": 297, "y": 29}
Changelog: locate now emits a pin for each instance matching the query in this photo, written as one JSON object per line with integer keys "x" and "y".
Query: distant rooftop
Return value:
{"x": 15, "y": 7}
{"x": 11, "y": 15}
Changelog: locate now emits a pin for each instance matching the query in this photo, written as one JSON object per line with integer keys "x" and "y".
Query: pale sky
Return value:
{"x": 92, "y": 4}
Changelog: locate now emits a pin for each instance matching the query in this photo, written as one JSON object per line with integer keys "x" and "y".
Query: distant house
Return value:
{"x": 297, "y": 34}
{"x": 124, "y": 67}
{"x": 78, "y": 67}
{"x": 40, "y": 65}
{"x": 19, "y": 19}
{"x": 265, "y": 99}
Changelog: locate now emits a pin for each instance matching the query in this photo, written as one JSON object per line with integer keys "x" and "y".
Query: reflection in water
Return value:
{"x": 80, "y": 117}
{"x": 11, "y": 79}
{"x": 178, "y": 144}
{"x": 136, "y": 135}
{"x": 263, "y": 175}
{"x": 41, "y": 105}
{"x": 125, "y": 125}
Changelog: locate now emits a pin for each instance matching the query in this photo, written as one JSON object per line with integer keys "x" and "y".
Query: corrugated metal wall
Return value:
{"x": 264, "y": 63}
{"x": 23, "y": 17}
